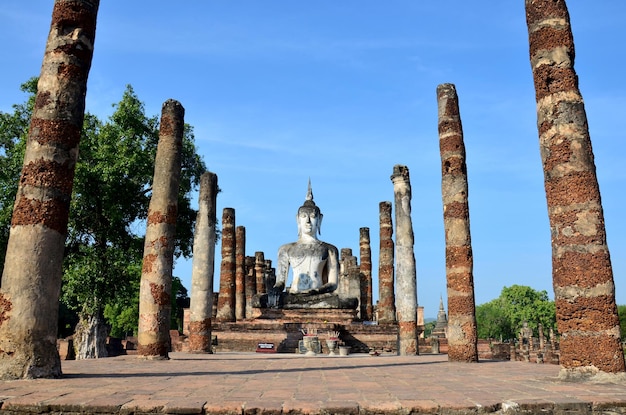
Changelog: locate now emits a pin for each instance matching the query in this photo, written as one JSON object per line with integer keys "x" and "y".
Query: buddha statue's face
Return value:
{"x": 308, "y": 221}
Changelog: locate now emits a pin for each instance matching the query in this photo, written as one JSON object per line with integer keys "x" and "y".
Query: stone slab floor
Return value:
{"x": 249, "y": 383}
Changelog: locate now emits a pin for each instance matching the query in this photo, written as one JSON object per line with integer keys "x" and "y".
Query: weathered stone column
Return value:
{"x": 386, "y": 309}
{"x": 365, "y": 252}
{"x": 259, "y": 271}
{"x": 216, "y": 295}
{"x": 155, "y": 303}
{"x": 31, "y": 281}
{"x": 584, "y": 291}
{"x": 250, "y": 285}
{"x": 203, "y": 267}
{"x": 346, "y": 260}
{"x": 462, "y": 331}
{"x": 226, "y": 298}
{"x": 406, "y": 275}
{"x": 270, "y": 275}
{"x": 349, "y": 284}
{"x": 240, "y": 273}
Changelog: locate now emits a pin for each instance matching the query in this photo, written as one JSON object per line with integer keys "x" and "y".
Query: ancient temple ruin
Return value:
{"x": 314, "y": 288}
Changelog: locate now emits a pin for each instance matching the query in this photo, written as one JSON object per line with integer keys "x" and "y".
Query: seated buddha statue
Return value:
{"x": 314, "y": 265}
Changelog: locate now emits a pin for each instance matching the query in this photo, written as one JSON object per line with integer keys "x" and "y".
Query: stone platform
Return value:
{"x": 289, "y": 384}
{"x": 285, "y": 334}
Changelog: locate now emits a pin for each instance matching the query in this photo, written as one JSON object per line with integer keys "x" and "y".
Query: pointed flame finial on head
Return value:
{"x": 309, "y": 193}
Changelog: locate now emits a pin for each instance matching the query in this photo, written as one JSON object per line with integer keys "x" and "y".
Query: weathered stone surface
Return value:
{"x": 406, "y": 273}
{"x": 250, "y": 284}
{"x": 581, "y": 268}
{"x": 349, "y": 279}
{"x": 31, "y": 279}
{"x": 203, "y": 266}
{"x": 158, "y": 259}
{"x": 462, "y": 331}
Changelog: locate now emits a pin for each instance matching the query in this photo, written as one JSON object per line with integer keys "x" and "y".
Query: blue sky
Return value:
{"x": 339, "y": 92}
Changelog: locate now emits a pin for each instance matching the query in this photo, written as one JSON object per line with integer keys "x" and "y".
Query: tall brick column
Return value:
{"x": 582, "y": 275}
{"x": 226, "y": 297}
{"x": 250, "y": 285}
{"x": 240, "y": 273}
{"x": 365, "y": 252}
{"x": 203, "y": 267}
{"x": 462, "y": 331}
{"x": 406, "y": 274}
{"x": 386, "y": 309}
{"x": 259, "y": 271}
{"x": 270, "y": 274}
{"x": 31, "y": 280}
{"x": 155, "y": 290}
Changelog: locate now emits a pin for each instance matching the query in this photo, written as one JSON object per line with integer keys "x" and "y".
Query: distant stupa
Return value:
{"x": 441, "y": 327}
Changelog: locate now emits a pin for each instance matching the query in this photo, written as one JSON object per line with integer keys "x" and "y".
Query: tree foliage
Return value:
{"x": 111, "y": 193}
{"x": 621, "y": 311}
{"x": 504, "y": 316}
{"x": 13, "y": 135}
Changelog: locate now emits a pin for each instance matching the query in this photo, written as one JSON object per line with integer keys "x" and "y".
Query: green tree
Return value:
{"x": 429, "y": 327}
{"x": 13, "y": 134}
{"x": 621, "y": 311}
{"x": 112, "y": 187}
{"x": 503, "y": 316}
{"x": 491, "y": 322}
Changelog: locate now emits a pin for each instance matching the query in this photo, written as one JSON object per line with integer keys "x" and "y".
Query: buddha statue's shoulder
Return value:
{"x": 286, "y": 247}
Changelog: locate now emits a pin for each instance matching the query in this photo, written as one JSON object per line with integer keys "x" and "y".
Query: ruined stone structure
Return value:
{"x": 226, "y": 297}
{"x": 31, "y": 280}
{"x": 323, "y": 297}
{"x": 328, "y": 305}
{"x": 240, "y": 273}
{"x": 441, "y": 325}
{"x": 582, "y": 275}
{"x": 365, "y": 252}
{"x": 350, "y": 277}
{"x": 201, "y": 302}
{"x": 386, "y": 309}
{"x": 462, "y": 331}
{"x": 406, "y": 274}
{"x": 158, "y": 258}
{"x": 529, "y": 348}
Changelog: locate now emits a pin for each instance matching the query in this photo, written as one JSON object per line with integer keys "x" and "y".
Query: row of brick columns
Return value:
{"x": 582, "y": 272}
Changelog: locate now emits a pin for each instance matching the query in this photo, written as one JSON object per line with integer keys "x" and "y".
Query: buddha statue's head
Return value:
{"x": 309, "y": 216}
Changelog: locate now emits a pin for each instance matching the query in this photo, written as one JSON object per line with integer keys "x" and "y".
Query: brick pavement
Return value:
{"x": 248, "y": 383}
